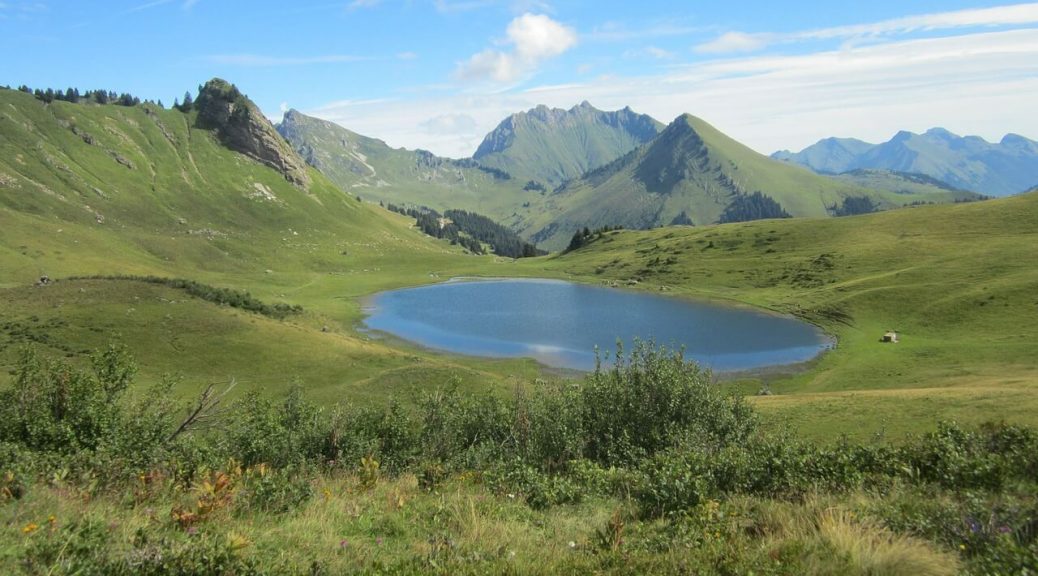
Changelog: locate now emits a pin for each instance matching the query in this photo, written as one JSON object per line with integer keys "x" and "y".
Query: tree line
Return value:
{"x": 470, "y": 230}
{"x": 756, "y": 206}
{"x": 101, "y": 97}
{"x": 585, "y": 236}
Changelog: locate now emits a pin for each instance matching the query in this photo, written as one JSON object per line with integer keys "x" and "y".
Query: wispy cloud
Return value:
{"x": 650, "y": 52}
{"x": 185, "y": 4}
{"x": 1015, "y": 15}
{"x": 358, "y": 4}
{"x": 447, "y": 6}
{"x": 975, "y": 83}
{"x": 621, "y": 32}
{"x": 533, "y": 39}
{"x": 22, "y": 9}
{"x": 265, "y": 61}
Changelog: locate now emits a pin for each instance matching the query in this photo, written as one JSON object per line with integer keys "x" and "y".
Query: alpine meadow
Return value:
{"x": 688, "y": 353}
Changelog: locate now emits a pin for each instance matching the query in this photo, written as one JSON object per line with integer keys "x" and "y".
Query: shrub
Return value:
{"x": 652, "y": 399}
{"x": 54, "y": 407}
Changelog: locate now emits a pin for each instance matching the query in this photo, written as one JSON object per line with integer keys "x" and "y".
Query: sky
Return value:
{"x": 440, "y": 74}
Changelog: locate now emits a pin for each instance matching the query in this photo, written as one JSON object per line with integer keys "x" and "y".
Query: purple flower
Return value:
{"x": 192, "y": 531}
{"x": 343, "y": 543}
{"x": 1004, "y": 529}
{"x": 378, "y": 541}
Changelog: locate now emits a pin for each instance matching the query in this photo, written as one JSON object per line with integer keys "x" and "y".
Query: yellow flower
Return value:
{"x": 30, "y": 528}
{"x": 962, "y": 546}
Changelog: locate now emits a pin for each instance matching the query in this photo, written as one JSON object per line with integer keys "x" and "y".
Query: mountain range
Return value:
{"x": 966, "y": 162}
{"x": 692, "y": 173}
{"x": 551, "y": 146}
{"x": 549, "y": 172}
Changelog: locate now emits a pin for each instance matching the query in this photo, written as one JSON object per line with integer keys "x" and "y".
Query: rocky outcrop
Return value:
{"x": 241, "y": 126}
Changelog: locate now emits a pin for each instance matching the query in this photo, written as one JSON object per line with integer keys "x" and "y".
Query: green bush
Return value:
{"x": 54, "y": 407}
{"x": 653, "y": 398}
{"x": 276, "y": 490}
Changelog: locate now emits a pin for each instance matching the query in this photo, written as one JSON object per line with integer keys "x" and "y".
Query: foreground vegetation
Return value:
{"x": 645, "y": 467}
{"x": 956, "y": 282}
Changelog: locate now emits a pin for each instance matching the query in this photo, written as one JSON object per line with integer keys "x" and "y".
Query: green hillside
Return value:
{"x": 692, "y": 171}
{"x": 904, "y": 183}
{"x": 109, "y": 190}
{"x": 957, "y": 282}
{"x": 371, "y": 169}
{"x": 551, "y": 146}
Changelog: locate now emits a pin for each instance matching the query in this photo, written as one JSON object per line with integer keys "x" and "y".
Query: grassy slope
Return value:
{"x": 371, "y": 169}
{"x": 901, "y": 182}
{"x": 694, "y": 168}
{"x": 958, "y": 282}
{"x": 190, "y": 208}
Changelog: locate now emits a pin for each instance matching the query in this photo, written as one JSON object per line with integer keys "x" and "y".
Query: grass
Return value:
{"x": 464, "y": 528}
{"x": 956, "y": 281}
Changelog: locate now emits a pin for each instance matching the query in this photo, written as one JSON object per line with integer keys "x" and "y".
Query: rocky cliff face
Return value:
{"x": 241, "y": 126}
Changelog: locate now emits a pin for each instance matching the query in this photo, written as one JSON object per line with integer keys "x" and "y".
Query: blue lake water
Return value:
{"x": 560, "y": 324}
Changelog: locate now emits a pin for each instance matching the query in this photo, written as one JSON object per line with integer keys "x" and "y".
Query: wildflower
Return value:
{"x": 343, "y": 543}
{"x": 1004, "y": 529}
{"x": 191, "y": 531}
{"x": 378, "y": 540}
{"x": 572, "y": 544}
{"x": 30, "y": 528}
{"x": 962, "y": 546}
{"x": 512, "y": 496}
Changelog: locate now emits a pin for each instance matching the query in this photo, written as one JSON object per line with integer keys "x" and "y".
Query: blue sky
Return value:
{"x": 439, "y": 74}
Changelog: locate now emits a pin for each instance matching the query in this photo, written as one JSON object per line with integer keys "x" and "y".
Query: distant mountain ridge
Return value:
{"x": 551, "y": 145}
{"x": 967, "y": 162}
{"x": 372, "y": 169}
{"x": 694, "y": 173}
{"x": 688, "y": 173}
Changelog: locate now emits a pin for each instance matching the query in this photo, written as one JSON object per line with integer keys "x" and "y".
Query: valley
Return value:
{"x": 157, "y": 262}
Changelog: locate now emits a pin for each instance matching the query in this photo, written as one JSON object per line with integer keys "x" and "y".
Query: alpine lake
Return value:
{"x": 561, "y": 324}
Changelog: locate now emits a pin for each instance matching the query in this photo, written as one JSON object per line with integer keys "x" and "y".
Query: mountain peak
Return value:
{"x": 941, "y": 133}
{"x": 552, "y": 145}
{"x": 902, "y": 136}
{"x": 241, "y": 126}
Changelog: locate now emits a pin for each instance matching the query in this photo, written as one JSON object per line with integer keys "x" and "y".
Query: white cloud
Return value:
{"x": 533, "y": 38}
{"x": 358, "y": 4}
{"x": 407, "y": 56}
{"x": 1015, "y": 15}
{"x": 261, "y": 61}
{"x": 620, "y": 32}
{"x": 448, "y": 6}
{"x": 735, "y": 42}
{"x": 653, "y": 52}
{"x": 451, "y": 124}
{"x": 974, "y": 83}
